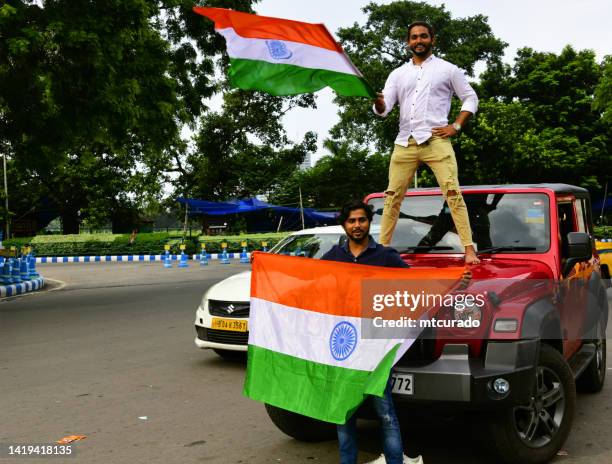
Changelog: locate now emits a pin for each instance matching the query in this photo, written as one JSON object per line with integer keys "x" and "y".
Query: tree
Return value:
{"x": 347, "y": 172}
{"x": 536, "y": 122}
{"x": 603, "y": 92}
{"x": 242, "y": 149}
{"x": 93, "y": 95}
{"x": 379, "y": 46}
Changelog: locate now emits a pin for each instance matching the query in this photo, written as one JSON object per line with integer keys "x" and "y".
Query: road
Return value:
{"x": 109, "y": 354}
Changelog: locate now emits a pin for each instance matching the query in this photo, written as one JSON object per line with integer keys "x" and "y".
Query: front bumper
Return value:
{"x": 207, "y": 337}
{"x": 221, "y": 339}
{"x": 466, "y": 382}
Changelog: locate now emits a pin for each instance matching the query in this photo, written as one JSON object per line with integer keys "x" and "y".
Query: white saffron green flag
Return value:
{"x": 284, "y": 57}
{"x": 306, "y": 353}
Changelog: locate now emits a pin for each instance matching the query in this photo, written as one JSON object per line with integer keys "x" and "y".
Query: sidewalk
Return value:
{"x": 129, "y": 258}
{"x": 24, "y": 287}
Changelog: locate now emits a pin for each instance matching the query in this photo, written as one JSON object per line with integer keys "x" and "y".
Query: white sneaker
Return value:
{"x": 379, "y": 460}
{"x": 417, "y": 460}
{"x": 407, "y": 460}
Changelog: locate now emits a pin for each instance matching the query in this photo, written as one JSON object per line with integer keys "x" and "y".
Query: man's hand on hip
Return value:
{"x": 379, "y": 103}
{"x": 444, "y": 131}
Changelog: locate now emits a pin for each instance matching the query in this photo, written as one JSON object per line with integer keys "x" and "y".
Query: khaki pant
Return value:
{"x": 439, "y": 155}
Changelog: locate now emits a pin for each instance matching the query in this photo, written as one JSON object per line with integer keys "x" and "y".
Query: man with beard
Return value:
{"x": 423, "y": 88}
{"x": 361, "y": 248}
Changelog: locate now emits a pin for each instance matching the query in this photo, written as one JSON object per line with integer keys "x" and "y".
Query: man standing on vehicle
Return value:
{"x": 355, "y": 217}
{"x": 423, "y": 89}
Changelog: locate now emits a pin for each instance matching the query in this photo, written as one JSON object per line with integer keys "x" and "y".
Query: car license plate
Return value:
{"x": 233, "y": 325}
{"x": 402, "y": 384}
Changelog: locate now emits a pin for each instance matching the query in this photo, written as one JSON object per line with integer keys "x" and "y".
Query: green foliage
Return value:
{"x": 147, "y": 243}
{"x": 234, "y": 242}
{"x": 336, "y": 178}
{"x": 603, "y": 231}
{"x": 93, "y": 94}
{"x": 536, "y": 123}
{"x": 240, "y": 153}
{"x": 603, "y": 92}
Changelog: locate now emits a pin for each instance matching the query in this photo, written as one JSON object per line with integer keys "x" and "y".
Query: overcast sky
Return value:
{"x": 544, "y": 25}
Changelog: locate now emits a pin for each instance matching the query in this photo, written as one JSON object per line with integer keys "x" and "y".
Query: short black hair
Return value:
{"x": 353, "y": 205}
{"x": 425, "y": 24}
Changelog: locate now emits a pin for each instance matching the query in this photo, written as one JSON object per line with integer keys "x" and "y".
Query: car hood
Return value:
{"x": 234, "y": 288}
{"x": 500, "y": 275}
{"x": 503, "y": 275}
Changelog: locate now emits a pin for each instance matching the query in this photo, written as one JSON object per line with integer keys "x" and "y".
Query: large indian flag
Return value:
{"x": 306, "y": 353}
{"x": 284, "y": 57}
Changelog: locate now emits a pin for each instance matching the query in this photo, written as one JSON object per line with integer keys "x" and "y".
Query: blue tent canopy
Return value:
{"x": 261, "y": 216}
{"x": 599, "y": 204}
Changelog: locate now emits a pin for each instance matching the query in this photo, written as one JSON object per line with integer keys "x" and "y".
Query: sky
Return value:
{"x": 544, "y": 25}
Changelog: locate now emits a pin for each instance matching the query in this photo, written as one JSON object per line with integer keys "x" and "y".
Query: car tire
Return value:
{"x": 534, "y": 433}
{"x": 231, "y": 355}
{"x": 594, "y": 376}
{"x": 301, "y": 427}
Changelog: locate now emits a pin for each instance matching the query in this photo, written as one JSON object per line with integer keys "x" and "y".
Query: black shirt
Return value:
{"x": 374, "y": 255}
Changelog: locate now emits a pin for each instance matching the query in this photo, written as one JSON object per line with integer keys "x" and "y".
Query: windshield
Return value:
{"x": 497, "y": 220}
{"x": 310, "y": 246}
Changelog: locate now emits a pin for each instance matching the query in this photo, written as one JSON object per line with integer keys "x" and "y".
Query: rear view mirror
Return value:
{"x": 579, "y": 249}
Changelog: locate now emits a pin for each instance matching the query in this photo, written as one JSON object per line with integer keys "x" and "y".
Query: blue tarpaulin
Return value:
{"x": 260, "y": 216}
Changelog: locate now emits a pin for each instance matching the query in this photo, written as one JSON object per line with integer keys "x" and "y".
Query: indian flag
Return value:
{"x": 284, "y": 57}
{"x": 306, "y": 351}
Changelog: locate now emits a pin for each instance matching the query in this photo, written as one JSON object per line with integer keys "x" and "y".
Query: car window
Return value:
{"x": 503, "y": 219}
{"x": 581, "y": 216}
{"x": 310, "y": 245}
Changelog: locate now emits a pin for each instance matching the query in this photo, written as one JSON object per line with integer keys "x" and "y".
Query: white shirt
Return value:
{"x": 424, "y": 96}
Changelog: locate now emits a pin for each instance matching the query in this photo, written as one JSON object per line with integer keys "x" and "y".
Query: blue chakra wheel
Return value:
{"x": 343, "y": 340}
{"x": 278, "y": 50}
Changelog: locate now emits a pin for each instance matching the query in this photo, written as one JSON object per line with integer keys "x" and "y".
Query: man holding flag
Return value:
{"x": 423, "y": 88}
{"x": 355, "y": 218}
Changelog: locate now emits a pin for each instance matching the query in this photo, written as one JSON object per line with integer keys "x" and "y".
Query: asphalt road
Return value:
{"x": 109, "y": 354}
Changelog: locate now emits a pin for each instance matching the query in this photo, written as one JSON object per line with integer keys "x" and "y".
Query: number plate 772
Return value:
{"x": 402, "y": 384}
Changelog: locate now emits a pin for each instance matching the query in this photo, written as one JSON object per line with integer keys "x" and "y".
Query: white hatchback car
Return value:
{"x": 222, "y": 319}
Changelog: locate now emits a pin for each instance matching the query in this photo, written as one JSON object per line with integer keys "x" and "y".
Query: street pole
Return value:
{"x": 301, "y": 209}
{"x": 603, "y": 205}
{"x": 185, "y": 223}
{"x": 6, "y": 204}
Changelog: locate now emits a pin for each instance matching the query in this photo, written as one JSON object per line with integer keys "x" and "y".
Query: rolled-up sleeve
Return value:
{"x": 464, "y": 91}
{"x": 390, "y": 93}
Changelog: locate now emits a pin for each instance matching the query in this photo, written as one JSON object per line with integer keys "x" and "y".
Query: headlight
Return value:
{"x": 467, "y": 311}
{"x": 204, "y": 303}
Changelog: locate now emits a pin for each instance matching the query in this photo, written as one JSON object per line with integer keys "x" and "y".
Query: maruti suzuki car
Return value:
{"x": 541, "y": 332}
{"x": 222, "y": 318}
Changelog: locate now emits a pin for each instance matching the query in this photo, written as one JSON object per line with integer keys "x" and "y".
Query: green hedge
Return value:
{"x": 234, "y": 242}
{"x": 145, "y": 243}
{"x": 603, "y": 232}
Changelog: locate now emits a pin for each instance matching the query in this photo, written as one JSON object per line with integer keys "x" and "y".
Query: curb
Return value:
{"x": 24, "y": 287}
{"x": 125, "y": 258}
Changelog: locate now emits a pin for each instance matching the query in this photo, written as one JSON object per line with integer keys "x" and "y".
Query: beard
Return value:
{"x": 422, "y": 51}
{"x": 359, "y": 237}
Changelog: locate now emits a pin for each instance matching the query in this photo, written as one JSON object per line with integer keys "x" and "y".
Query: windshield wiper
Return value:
{"x": 413, "y": 249}
{"x": 506, "y": 248}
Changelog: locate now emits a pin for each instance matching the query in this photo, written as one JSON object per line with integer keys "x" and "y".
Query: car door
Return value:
{"x": 572, "y": 295}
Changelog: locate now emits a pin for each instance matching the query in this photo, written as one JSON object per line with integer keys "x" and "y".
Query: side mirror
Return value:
{"x": 579, "y": 249}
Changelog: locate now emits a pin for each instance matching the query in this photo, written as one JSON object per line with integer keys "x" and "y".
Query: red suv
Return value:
{"x": 541, "y": 332}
